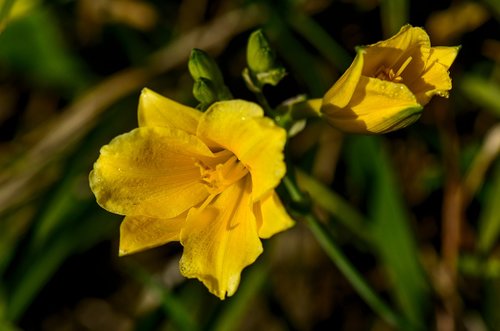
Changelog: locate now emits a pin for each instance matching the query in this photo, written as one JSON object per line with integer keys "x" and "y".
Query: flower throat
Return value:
{"x": 388, "y": 74}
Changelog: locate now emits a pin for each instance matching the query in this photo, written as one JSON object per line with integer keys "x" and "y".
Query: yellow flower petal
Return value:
{"x": 378, "y": 106}
{"x": 157, "y": 110}
{"x": 239, "y": 126}
{"x": 341, "y": 92}
{"x": 408, "y": 42}
{"x": 398, "y": 77}
{"x": 138, "y": 233}
{"x": 444, "y": 55}
{"x": 149, "y": 171}
{"x": 220, "y": 240}
{"x": 435, "y": 79}
{"x": 271, "y": 216}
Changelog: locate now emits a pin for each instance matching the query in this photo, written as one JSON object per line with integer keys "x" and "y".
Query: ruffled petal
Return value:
{"x": 138, "y": 233}
{"x": 157, "y": 110}
{"x": 239, "y": 126}
{"x": 377, "y": 106}
{"x": 220, "y": 240}
{"x": 150, "y": 171}
{"x": 271, "y": 216}
{"x": 435, "y": 79}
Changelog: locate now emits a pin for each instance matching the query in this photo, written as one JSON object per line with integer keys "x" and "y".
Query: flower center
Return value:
{"x": 385, "y": 73}
{"x": 217, "y": 177}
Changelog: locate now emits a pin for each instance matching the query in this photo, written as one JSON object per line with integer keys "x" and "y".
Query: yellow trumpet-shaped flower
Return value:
{"x": 204, "y": 179}
{"x": 388, "y": 83}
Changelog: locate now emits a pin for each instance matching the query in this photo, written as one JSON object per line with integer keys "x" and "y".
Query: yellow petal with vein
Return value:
{"x": 157, "y": 110}
{"x": 271, "y": 216}
{"x": 239, "y": 126}
{"x": 149, "y": 171}
{"x": 138, "y": 233}
{"x": 221, "y": 240}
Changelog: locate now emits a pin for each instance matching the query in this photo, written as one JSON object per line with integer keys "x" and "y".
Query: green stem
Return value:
{"x": 334, "y": 204}
{"x": 357, "y": 281}
{"x": 326, "y": 241}
{"x": 263, "y": 102}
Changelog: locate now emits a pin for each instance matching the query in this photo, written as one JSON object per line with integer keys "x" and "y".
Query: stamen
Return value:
{"x": 403, "y": 66}
{"x": 388, "y": 74}
{"x": 222, "y": 175}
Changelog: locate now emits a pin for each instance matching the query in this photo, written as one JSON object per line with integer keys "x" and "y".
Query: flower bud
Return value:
{"x": 262, "y": 65}
{"x": 204, "y": 92}
{"x": 201, "y": 65}
{"x": 260, "y": 56}
{"x": 208, "y": 82}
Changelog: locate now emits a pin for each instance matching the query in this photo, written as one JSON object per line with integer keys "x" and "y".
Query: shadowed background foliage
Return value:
{"x": 417, "y": 211}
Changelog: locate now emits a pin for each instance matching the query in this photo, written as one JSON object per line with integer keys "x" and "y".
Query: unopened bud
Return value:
{"x": 204, "y": 92}
{"x": 261, "y": 59}
{"x": 201, "y": 65}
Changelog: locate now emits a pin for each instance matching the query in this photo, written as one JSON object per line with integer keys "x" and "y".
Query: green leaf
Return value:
{"x": 36, "y": 270}
{"x": 240, "y": 304}
{"x": 321, "y": 40}
{"x": 334, "y": 204}
{"x": 171, "y": 304}
{"x": 32, "y": 46}
{"x": 395, "y": 14}
{"x": 481, "y": 91}
{"x": 489, "y": 222}
{"x": 390, "y": 229}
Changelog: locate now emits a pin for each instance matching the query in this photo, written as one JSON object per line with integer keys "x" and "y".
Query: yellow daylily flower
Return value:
{"x": 388, "y": 83}
{"x": 204, "y": 179}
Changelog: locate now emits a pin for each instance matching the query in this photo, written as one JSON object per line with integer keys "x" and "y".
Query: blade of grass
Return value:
{"x": 5, "y": 10}
{"x": 12, "y": 227}
{"x": 236, "y": 307}
{"x": 491, "y": 303}
{"x": 489, "y": 222}
{"x": 35, "y": 272}
{"x": 390, "y": 230}
{"x": 328, "y": 244}
{"x": 482, "y": 92}
{"x": 172, "y": 306}
{"x": 334, "y": 204}
{"x": 320, "y": 39}
{"x": 356, "y": 280}
{"x": 296, "y": 56}
{"x": 395, "y": 14}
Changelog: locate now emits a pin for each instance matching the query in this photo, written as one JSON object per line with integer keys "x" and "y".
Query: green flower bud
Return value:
{"x": 201, "y": 65}
{"x": 204, "y": 91}
{"x": 262, "y": 65}
{"x": 208, "y": 82}
{"x": 260, "y": 56}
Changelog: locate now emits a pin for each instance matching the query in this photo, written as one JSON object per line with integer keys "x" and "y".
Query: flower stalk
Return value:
{"x": 326, "y": 242}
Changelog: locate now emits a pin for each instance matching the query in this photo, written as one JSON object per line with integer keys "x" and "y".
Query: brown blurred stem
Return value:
{"x": 452, "y": 213}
